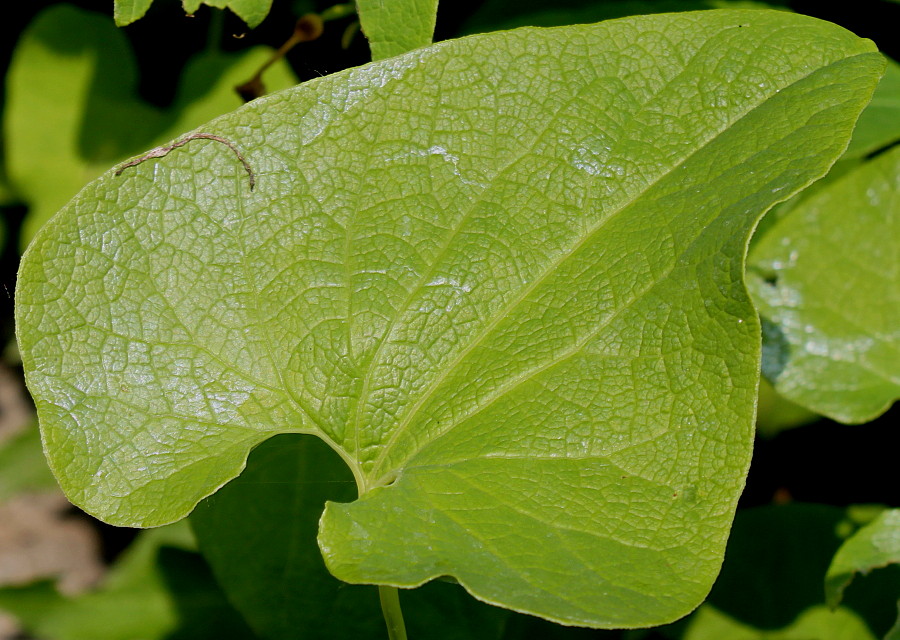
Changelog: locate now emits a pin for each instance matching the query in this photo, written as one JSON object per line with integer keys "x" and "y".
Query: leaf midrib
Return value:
{"x": 410, "y": 415}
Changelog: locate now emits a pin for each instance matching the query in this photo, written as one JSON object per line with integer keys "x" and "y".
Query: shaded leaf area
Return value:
{"x": 874, "y": 546}
{"x": 771, "y": 582}
{"x": 397, "y": 26}
{"x": 159, "y": 589}
{"x": 494, "y": 15}
{"x": 250, "y": 11}
{"x": 259, "y": 535}
{"x": 826, "y": 277}
{"x": 72, "y": 105}
{"x": 496, "y": 274}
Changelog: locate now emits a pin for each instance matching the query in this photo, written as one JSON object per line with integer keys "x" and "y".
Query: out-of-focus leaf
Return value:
{"x": 879, "y": 123}
{"x": 874, "y": 546}
{"x": 774, "y": 414}
{"x": 826, "y": 279}
{"x": 503, "y": 301}
{"x": 771, "y": 581}
{"x": 815, "y": 623}
{"x": 158, "y": 590}
{"x": 72, "y": 106}
{"x": 397, "y": 26}
{"x": 22, "y": 465}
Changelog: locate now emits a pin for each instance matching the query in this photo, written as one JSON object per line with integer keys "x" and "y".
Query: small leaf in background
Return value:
{"x": 250, "y": 11}
{"x": 826, "y": 278}
{"x": 771, "y": 582}
{"x": 72, "y": 105}
{"x": 397, "y": 26}
{"x": 879, "y": 123}
{"x": 815, "y": 623}
{"x": 874, "y": 546}
{"x": 259, "y": 535}
{"x": 158, "y": 590}
{"x": 22, "y": 465}
{"x": 127, "y": 11}
{"x": 496, "y": 275}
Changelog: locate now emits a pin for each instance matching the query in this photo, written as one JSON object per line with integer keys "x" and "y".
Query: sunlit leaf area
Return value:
{"x": 489, "y": 319}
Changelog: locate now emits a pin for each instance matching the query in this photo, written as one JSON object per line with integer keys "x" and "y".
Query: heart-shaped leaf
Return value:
{"x": 501, "y": 276}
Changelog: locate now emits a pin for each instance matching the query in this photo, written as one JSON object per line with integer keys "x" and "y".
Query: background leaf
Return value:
{"x": 827, "y": 279}
{"x": 72, "y": 105}
{"x": 771, "y": 582}
{"x": 250, "y": 11}
{"x": 879, "y": 124}
{"x": 874, "y": 546}
{"x": 397, "y": 26}
{"x": 127, "y": 11}
{"x": 22, "y": 464}
{"x": 158, "y": 590}
{"x": 259, "y": 534}
{"x": 504, "y": 307}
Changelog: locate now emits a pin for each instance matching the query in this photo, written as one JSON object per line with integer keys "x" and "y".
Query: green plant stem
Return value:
{"x": 393, "y": 616}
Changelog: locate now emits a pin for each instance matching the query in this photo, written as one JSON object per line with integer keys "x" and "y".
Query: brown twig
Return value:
{"x": 307, "y": 29}
{"x": 160, "y": 152}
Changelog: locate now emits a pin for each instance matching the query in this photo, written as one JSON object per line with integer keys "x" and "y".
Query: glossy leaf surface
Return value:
{"x": 397, "y": 26}
{"x": 502, "y": 276}
{"x": 827, "y": 278}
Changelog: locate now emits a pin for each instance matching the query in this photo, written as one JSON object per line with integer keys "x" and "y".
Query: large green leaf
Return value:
{"x": 397, "y": 26}
{"x": 72, "y": 105}
{"x": 827, "y": 278}
{"x": 501, "y": 276}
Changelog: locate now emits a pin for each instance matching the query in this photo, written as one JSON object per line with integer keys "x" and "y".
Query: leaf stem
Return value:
{"x": 393, "y": 615}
